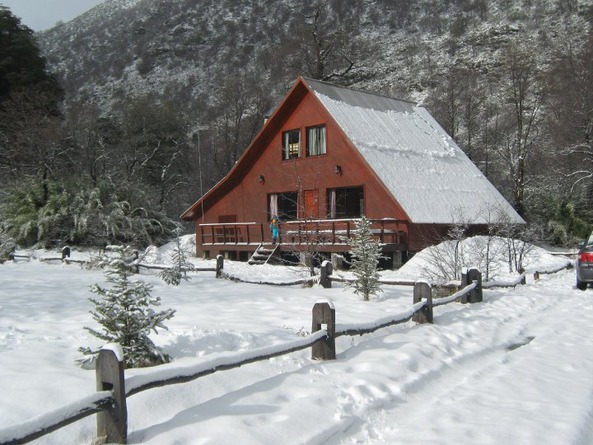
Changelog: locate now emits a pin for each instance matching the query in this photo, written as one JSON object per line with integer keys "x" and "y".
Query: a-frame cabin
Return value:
{"x": 328, "y": 155}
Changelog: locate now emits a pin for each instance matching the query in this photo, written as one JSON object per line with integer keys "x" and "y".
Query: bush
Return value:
{"x": 49, "y": 213}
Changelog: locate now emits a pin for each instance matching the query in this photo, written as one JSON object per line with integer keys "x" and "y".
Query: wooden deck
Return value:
{"x": 328, "y": 235}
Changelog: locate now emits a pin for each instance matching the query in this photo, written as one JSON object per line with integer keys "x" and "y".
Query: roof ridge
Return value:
{"x": 308, "y": 80}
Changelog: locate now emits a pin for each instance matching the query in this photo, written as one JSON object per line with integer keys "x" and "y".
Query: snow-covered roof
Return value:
{"x": 418, "y": 162}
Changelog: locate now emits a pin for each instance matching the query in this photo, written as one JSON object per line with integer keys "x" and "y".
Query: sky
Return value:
{"x": 40, "y": 15}
{"x": 515, "y": 368}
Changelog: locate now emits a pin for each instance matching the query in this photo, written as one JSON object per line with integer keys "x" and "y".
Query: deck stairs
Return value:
{"x": 262, "y": 254}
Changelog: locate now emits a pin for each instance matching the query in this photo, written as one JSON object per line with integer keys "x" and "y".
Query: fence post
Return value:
{"x": 423, "y": 290}
{"x": 112, "y": 423}
{"x": 475, "y": 296}
{"x": 219, "y": 265}
{"x": 326, "y": 271}
{"x": 324, "y": 316}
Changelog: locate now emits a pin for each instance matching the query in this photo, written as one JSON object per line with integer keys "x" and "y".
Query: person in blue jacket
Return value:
{"x": 275, "y": 228}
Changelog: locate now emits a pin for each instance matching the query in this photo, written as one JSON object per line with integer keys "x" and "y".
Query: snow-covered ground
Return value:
{"x": 514, "y": 369}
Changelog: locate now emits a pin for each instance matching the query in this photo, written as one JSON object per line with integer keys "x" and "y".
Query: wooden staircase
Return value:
{"x": 262, "y": 254}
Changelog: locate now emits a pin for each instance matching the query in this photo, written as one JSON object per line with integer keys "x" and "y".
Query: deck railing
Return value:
{"x": 298, "y": 232}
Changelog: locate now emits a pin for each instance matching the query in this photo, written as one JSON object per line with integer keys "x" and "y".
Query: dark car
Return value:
{"x": 584, "y": 263}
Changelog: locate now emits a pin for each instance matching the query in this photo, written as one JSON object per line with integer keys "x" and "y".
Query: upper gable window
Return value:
{"x": 316, "y": 141}
{"x": 291, "y": 144}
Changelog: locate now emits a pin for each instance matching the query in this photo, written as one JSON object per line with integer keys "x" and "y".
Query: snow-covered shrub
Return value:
{"x": 7, "y": 246}
{"x": 366, "y": 253}
{"x": 35, "y": 212}
{"x": 445, "y": 261}
{"x": 125, "y": 313}
{"x": 54, "y": 212}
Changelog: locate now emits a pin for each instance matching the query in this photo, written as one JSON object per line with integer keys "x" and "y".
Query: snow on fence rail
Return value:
{"x": 109, "y": 402}
{"x": 170, "y": 374}
{"x": 54, "y": 420}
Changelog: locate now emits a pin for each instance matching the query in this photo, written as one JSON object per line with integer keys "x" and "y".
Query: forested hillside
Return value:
{"x": 159, "y": 93}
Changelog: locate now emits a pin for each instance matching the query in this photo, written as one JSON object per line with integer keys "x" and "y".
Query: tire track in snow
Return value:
{"x": 441, "y": 391}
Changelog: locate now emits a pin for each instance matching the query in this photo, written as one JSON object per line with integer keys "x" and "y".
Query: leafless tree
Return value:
{"x": 520, "y": 119}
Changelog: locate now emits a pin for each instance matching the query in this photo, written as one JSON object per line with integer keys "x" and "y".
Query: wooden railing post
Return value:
{"x": 476, "y": 295}
{"x": 326, "y": 271}
{"x": 324, "y": 316}
{"x": 423, "y": 291}
{"x": 219, "y": 265}
{"x": 112, "y": 423}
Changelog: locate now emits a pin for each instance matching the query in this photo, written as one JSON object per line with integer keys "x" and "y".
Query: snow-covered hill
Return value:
{"x": 187, "y": 50}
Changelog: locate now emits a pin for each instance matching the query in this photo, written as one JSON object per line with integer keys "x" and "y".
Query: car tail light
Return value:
{"x": 586, "y": 257}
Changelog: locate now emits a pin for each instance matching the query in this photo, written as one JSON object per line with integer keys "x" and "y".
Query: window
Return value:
{"x": 291, "y": 144}
{"x": 347, "y": 202}
{"x": 316, "y": 141}
{"x": 284, "y": 205}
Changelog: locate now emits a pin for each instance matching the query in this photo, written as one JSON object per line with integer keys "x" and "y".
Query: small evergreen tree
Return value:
{"x": 366, "y": 253}
{"x": 178, "y": 271}
{"x": 125, "y": 312}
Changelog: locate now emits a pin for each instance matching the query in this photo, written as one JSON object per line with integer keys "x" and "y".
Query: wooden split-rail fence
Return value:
{"x": 134, "y": 263}
{"x": 109, "y": 401}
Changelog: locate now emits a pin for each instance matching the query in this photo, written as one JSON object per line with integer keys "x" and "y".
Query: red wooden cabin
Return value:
{"x": 328, "y": 155}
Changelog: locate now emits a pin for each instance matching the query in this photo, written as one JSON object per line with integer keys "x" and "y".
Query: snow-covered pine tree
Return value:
{"x": 125, "y": 313}
{"x": 178, "y": 271}
{"x": 366, "y": 253}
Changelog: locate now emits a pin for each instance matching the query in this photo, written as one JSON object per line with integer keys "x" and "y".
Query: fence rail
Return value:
{"x": 134, "y": 263}
{"x": 54, "y": 420}
{"x": 167, "y": 376}
{"x": 370, "y": 327}
{"x": 327, "y": 277}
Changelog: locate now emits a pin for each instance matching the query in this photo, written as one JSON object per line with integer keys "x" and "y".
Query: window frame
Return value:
{"x": 287, "y": 204}
{"x": 291, "y": 150}
{"x": 347, "y": 205}
{"x": 309, "y": 143}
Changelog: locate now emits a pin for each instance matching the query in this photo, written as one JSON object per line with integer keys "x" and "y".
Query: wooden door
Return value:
{"x": 311, "y": 201}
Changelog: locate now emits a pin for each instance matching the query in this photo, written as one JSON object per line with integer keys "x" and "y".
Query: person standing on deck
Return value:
{"x": 275, "y": 228}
